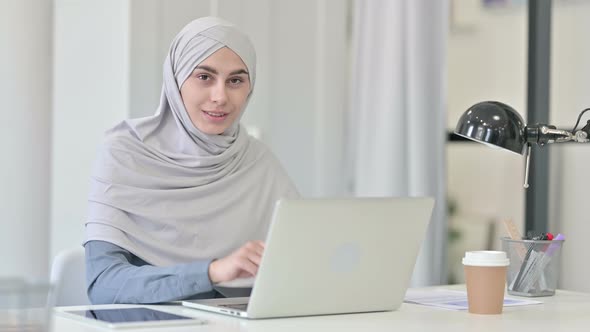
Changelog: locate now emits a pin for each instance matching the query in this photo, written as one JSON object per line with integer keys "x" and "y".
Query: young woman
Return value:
{"x": 182, "y": 199}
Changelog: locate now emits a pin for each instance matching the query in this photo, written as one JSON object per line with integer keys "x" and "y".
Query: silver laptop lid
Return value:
{"x": 326, "y": 256}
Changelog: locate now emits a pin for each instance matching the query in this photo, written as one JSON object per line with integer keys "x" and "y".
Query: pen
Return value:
{"x": 525, "y": 268}
{"x": 535, "y": 272}
{"x": 516, "y": 285}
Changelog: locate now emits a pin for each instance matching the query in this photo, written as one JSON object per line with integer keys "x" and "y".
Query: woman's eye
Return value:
{"x": 235, "y": 81}
{"x": 203, "y": 77}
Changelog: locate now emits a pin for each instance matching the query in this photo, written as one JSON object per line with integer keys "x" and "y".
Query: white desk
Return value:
{"x": 566, "y": 311}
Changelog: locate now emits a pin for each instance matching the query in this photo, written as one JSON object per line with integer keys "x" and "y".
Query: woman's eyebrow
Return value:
{"x": 212, "y": 70}
{"x": 239, "y": 71}
{"x": 207, "y": 68}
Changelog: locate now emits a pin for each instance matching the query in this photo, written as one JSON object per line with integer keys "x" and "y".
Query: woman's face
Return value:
{"x": 216, "y": 91}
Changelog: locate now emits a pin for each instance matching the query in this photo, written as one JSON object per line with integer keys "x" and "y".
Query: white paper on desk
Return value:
{"x": 451, "y": 299}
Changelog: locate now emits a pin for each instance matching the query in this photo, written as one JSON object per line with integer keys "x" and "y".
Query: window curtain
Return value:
{"x": 398, "y": 112}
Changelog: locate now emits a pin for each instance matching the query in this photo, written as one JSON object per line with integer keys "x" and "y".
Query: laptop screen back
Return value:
{"x": 328, "y": 256}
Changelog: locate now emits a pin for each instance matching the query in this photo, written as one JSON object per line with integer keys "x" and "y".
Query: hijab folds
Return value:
{"x": 171, "y": 194}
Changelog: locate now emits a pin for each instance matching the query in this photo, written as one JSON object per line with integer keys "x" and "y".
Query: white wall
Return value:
{"x": 487, "y": 61}
{"x": 91, "y": 94}
{"x": 307, "y": 96}
{"x": 152, "y": 25}
{"x": 570, "y": 84}
{"x": 25, "y": 91}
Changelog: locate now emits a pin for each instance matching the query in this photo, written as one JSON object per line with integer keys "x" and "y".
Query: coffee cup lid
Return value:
{"x": 486, "y": 258}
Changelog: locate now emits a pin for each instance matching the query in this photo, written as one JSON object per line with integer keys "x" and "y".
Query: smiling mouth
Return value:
{"x": 219, "y": 115}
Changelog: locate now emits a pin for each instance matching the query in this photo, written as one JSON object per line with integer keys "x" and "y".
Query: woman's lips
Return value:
{"x": 215, "y": 116}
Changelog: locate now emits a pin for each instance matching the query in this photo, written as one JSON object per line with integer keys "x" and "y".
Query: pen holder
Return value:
{"x": 24, "y": 306}
{"x": 534, "y": 266}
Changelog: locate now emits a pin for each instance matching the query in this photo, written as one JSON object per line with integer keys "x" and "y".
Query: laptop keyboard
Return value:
{"x": 240, "y": 306}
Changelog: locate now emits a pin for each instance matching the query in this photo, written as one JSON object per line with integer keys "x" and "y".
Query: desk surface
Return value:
{"x": 566, "y": 311}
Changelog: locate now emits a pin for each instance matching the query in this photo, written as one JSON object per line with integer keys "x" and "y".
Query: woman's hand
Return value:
{"x": 241, "y": 263}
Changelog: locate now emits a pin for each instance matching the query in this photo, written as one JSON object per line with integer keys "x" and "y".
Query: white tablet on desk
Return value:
{"x": 130, "y": 317}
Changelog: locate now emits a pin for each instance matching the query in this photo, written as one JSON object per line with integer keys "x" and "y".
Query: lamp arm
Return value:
{"x": 550, "y": 134}
{"x": 542, "y": 134}
{"x": 583, "y": 134}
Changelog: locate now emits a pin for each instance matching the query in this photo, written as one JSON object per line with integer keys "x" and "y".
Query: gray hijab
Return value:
{"x": 168, "y": 192}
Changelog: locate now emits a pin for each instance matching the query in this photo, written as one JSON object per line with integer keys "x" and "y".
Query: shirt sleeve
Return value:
{"x": 114, "y": 275}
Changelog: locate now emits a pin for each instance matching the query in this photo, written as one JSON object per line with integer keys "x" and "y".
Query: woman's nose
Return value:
{"x": 218, "y": 93}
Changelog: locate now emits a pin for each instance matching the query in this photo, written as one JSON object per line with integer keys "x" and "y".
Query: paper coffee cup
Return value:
{"x": 485, "y": 277}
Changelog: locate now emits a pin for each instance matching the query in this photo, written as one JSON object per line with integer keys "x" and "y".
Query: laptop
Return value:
{"x": 333, "y": 256}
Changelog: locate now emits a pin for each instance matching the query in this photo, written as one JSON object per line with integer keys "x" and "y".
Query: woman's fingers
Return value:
{"x": 247, "y": 265}
{"x": 255, "y": 258}
{"x": 253, "y": 252}
{"x": 255, "y": 246}
{"x": 241, "y": 263}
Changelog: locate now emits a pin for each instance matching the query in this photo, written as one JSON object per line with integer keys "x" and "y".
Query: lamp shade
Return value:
{"x": 493, "y": 123}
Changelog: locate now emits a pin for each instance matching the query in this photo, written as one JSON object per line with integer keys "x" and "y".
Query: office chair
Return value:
{"x": 68, "y": 275}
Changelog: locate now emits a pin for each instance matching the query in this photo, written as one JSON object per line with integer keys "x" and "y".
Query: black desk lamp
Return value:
{"x": 499, "y": 125}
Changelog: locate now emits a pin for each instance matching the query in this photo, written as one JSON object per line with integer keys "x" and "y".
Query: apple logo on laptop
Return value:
{"x": 346, "y": 258}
